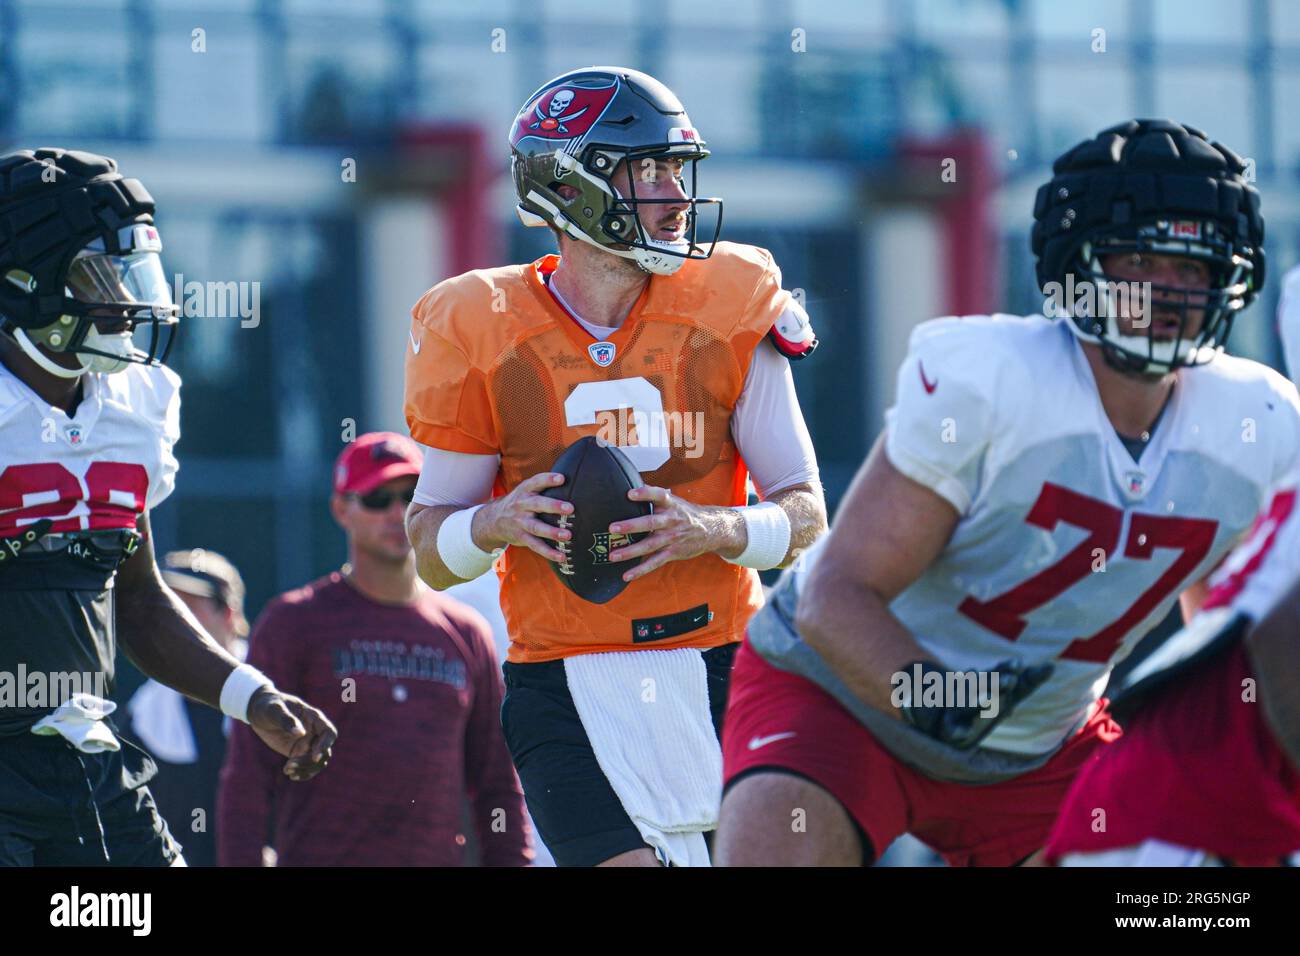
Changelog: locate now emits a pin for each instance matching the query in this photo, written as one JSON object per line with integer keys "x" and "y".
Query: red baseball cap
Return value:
{"x": 373, "y": 459}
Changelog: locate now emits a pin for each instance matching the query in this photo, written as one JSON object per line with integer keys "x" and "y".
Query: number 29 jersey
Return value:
{"x": 1067, "y": 549}
{"x": 91, "y": 474}
{"x": 496, "y": 365}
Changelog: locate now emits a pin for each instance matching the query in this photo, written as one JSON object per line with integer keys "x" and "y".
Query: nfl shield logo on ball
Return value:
{"x": 605, "y": 542}
{"x": 602, "y": 353}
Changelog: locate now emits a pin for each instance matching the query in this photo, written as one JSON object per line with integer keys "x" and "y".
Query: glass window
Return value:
{"x": 341, "y": 87}
{"x": 838, "y": 17}
{"x": 1215, "y": 99}
{"x": 1284, "y": 21}
{"x": 983, "y": 88}
{"x": 721, "y": 94}
{"x": 216, "y": 94}
{"x": 1077, "y": 97}
{"x": 940, "y": 18}
{"x": 1065, "y": 21}
{"x": 1209, "y": 21}
{"x": 572, "y": 13}
{"x": 435, "y": 12}
{"x": 74, "y": 79}
{"x": 372, "y": 10}
{"x": 1286, "y": 125}
{"x": 459, "y": 82}
{"x": 573, "y": 44}
{"x": 202, "y": 6}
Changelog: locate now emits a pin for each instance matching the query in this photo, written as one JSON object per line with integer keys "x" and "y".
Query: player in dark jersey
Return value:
{"x": 88, "y": 419}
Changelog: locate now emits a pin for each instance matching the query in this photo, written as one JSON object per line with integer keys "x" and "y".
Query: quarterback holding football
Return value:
{"x": 671, "y": 351}
{"x": 88, "y": 421}
{"x": 1045, "y": 490}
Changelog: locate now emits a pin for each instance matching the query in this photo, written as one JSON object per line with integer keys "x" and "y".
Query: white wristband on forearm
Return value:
{"x": 244, "y": 681}
{"x": 768, "y": 527}
{"x": 457, "y": 549}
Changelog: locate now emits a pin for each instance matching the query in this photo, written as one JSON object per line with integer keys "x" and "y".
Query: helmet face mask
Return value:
{"x": 579, "y": 130}
{"x": 1148, "y": 328}
{"x": 622, "y": 223}
{"x": 117, "y": 309}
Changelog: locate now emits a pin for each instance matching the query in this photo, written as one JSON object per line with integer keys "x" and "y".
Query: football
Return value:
{"x": 597, "y": 478}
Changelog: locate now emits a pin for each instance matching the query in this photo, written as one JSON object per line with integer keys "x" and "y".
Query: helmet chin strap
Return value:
{"x": 40, "y": 358}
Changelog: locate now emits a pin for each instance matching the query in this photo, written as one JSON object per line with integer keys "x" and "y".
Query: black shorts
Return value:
{"x": 577, "y": 814}
{"x": 61, "y": 807}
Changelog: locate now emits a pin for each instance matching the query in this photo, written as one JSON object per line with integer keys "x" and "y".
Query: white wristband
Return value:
{"x": 768, "y": 527}
{"x": 457, "y": 549}
{"x": 244, "y": 681}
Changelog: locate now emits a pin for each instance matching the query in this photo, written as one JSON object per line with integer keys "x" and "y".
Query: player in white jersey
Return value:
{"x": 1044, "y": 492}
{"x": 88, "y": 421}
{"x": 1208, "y": 769}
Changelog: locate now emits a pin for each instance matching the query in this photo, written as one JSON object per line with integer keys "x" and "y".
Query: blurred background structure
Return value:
{"x": 348, "y": 154}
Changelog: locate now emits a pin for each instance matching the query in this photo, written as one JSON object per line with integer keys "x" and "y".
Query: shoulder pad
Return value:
{"x": 792, "y": 334}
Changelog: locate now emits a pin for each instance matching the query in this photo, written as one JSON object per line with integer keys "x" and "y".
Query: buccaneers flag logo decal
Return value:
{"x": 565, "y": 112}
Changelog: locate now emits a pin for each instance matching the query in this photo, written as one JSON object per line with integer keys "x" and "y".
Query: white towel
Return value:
{"x": 647, "y": 716}
{"x": 80, "y": 721}
{"x": 159, "y": 719}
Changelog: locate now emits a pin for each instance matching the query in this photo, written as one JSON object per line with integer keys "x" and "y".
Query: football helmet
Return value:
{"x": 574, "y": 131}
{"x": 1154, "y": 187}
{"x": 80, "y": 266}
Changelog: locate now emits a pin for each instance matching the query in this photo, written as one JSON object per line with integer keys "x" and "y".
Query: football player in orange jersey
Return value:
{"x": 676, "y": 350}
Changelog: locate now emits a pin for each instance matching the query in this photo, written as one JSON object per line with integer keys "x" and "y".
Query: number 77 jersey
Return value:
{"x": 1068, "y": 549}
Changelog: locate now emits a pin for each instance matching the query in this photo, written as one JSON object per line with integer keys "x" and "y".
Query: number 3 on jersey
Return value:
{"x": 1005, "y": 614}
{"x": 647, "y": 407}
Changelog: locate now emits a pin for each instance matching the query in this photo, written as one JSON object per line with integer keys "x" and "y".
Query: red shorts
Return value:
{"x": 1198, "y": 768}
{"x": 989, "y": 825}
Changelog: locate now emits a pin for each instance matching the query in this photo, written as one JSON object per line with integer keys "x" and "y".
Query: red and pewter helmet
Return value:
{"x": 574, "y": 131}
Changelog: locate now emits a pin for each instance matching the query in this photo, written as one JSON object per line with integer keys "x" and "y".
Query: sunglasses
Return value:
{"x": 380, "y": 500}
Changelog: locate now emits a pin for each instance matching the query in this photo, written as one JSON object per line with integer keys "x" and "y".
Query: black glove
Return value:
{"x": 962, "y": 727}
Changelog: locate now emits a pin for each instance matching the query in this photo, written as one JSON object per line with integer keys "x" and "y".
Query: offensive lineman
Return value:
{"x": 87, "y": 425}
{"x": 634, "y": 324}
{"x": 1043, "y": 492}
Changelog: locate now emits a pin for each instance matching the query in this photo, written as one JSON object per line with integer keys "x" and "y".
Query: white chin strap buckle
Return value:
{"x": 661, "y": 263}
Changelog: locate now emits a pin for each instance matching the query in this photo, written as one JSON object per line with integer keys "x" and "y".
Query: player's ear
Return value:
{"x": 339, "y": 509}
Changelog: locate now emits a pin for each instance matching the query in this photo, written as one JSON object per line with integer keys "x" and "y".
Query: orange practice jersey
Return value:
{"x": 502, "y": 368}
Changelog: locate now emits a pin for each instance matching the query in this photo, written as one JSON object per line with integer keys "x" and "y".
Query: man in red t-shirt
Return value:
{"x": 410, "y": 678}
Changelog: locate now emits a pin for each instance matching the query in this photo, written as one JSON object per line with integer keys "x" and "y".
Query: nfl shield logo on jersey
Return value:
{"x": 602, "y": 353}
{"x": 74, "y": 434}
{"x": 1136, "y": 482}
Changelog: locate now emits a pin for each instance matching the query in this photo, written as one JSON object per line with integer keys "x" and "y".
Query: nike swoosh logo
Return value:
{"x": 758, "y": 742}
{"x": 415, "y": 343}
{"x": 929, "y": 386}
